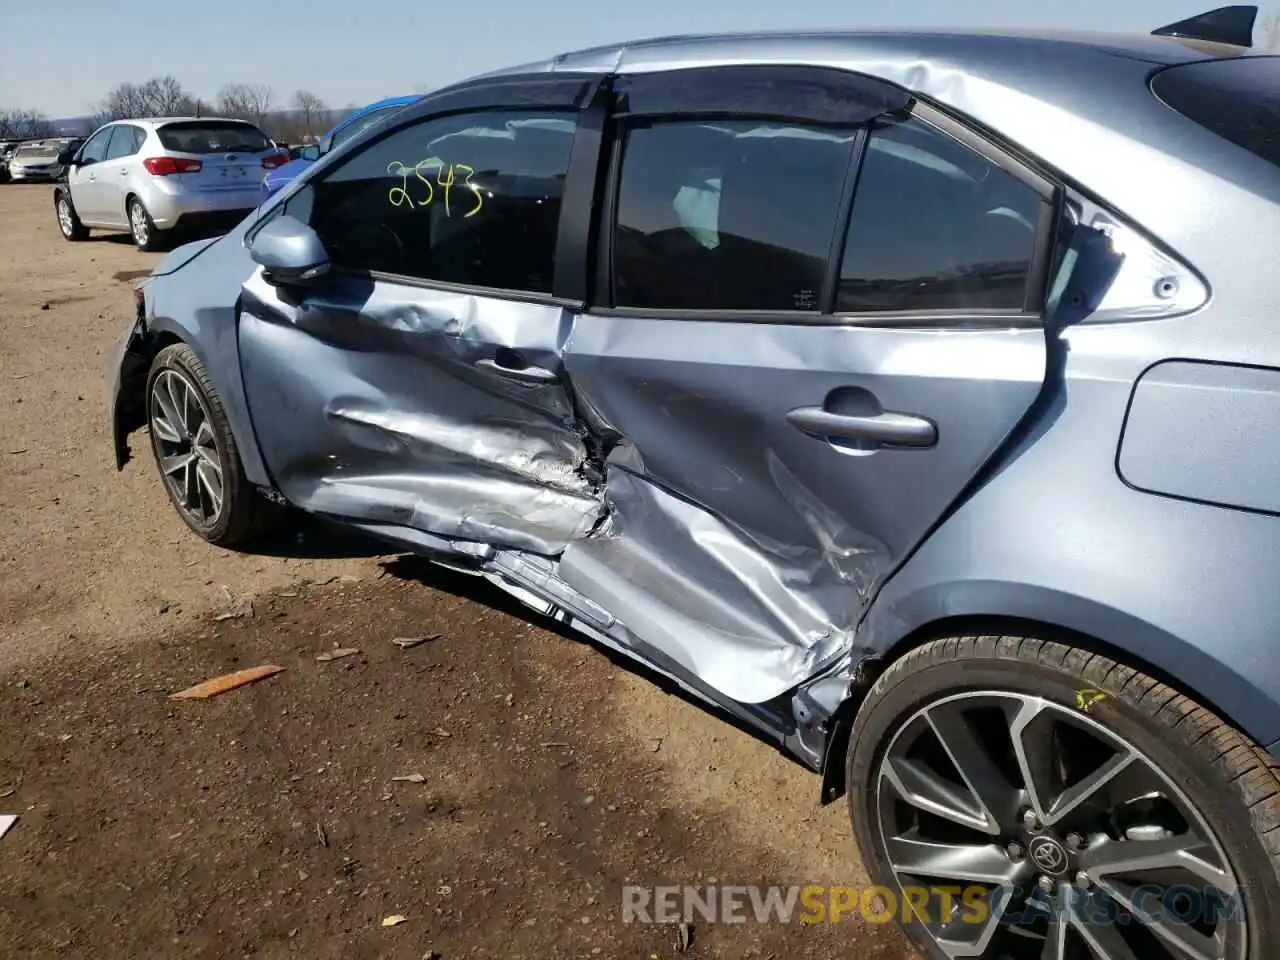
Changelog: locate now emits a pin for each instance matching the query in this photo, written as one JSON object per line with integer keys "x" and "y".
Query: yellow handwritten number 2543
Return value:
{"x": 445, "y": 178}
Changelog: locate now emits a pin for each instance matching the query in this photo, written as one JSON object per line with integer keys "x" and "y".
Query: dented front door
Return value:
{"x": 420, "y": 382}
{"x": 445, "y": 412}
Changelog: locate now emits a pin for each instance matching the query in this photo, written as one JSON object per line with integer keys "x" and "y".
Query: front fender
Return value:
{"x": 196, "y": 304}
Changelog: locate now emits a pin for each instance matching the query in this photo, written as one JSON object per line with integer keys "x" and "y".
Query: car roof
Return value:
{"x": 975, "y": 47}
{"x": 993, "y": 40}
{"x": 390, "y": 102}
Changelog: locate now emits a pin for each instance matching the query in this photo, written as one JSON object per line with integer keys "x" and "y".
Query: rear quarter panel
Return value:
{"x": 1057, "y": 538}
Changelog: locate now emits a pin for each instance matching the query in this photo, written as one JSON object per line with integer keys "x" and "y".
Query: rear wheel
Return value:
{"x": 196, "y": 453}
{"x": 145, "y": 235}
{"x": 68, "y": 223}
{"x": 1075, "y": 808}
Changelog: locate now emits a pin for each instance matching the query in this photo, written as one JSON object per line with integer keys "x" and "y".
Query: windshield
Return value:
{"x": 344, "y": 134}
{"x": 213, "y": 136}
{"x": 33, "y": 152}
{"x": 1238, "y": 99}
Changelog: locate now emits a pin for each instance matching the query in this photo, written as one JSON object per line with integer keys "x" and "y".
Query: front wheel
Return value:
{"x": 196, "y": 453}
{"x": 68, "y": 222}
{"x": 1026, "y": 800}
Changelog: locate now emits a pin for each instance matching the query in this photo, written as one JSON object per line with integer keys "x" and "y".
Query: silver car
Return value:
{"x": 152, "y": 177}
{"x": 911, "y": 397}
{"x": 36, "y": 162}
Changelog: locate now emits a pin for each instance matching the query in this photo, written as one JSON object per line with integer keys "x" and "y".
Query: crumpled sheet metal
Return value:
{"x": 743, "y": 548}
{"x": 750, "y": 619}
{"x": 341, "y": 408}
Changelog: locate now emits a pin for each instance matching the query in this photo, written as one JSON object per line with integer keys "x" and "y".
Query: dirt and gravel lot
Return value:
{"x": 266, "y": 822}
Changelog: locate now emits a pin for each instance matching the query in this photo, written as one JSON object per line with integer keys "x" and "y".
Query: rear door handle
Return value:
{"x": 523, "y": 374}
{"x": 890, "y": 429}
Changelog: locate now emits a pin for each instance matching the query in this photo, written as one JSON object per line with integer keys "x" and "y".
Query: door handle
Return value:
{"x": 890, "y": 429}
{"x": 524, "y": 374}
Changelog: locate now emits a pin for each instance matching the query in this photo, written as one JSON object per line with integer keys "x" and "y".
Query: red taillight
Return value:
{"x": 273, "y": 160}
{"x": 163, "y": 166}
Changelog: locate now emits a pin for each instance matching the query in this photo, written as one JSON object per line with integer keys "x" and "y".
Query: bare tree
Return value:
{"x": 157, "y": 97}
{"x": 166, "y": 96}
{"x": 1269, "y": 35}
{"x": 24, "y": 123}
{"x": 311, "y": 107}
{"x": 245, "y": 101}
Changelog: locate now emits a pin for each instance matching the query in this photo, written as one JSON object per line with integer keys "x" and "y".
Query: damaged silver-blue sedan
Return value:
{"x": 913, "y": 397}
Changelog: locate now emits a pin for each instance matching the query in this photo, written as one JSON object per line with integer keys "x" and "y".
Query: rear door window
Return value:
{"x": 938, "y": 227}
{"x": 212, "y": 136}
{"x": 727, "y": 215}
{"x": 1237, "y": 98}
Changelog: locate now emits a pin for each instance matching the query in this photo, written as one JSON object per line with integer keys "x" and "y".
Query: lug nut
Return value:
{"x": 1015, "y": 850}
{"x": 1046, "y": 884}
{"x": 1030, "y": 821}
{"x": 1074, "y": 842}
{"x": 1082, "y": 880}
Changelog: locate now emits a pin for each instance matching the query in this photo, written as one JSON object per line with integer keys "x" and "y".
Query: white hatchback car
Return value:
{"x": 153, "y": 176}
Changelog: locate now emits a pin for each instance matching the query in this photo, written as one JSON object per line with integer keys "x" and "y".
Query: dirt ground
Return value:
{"x": 267, "y": 822}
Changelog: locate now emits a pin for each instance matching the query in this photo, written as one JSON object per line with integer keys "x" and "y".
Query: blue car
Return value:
{"x": 350, "y": 126}
{"x": 911, "y": 398}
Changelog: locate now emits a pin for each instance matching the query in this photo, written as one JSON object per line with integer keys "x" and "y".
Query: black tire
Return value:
{"x": 242, "y": 515}
{"x": 1231, "y": 782}
{"x": 143, "y": 229}
{"x": 71, "y": 228}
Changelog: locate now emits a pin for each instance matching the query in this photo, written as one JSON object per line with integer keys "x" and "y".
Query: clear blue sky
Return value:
{"x": 61, "y": 56}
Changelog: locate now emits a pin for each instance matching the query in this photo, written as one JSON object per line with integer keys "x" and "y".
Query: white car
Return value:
{"x": 153, "y": 176}
{"x": 35, "y": 161}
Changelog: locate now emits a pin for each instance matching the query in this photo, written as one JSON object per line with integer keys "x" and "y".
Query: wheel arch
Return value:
{"x": 1173, "y": 661}
{"x": 129, "y": 411}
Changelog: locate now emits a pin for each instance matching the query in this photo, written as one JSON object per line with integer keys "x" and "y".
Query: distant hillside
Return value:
{"x": 73, "y": 126}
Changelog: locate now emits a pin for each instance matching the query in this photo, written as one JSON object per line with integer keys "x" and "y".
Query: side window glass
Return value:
{"x": 471, "y": 199}
{"x": 96, "y": 149}
{"x": 139, "y": 138}
{"x": 734, "y": 215}
{"x": 935, "y": 226}
{"x": 122, "y": 143}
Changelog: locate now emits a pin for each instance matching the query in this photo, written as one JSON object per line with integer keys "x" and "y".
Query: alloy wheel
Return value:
{"x": 186, "y": 447}
{"x": 64, "y": 217}
{"x": 1068, "y": 842}
{"x": 138, "y": 224}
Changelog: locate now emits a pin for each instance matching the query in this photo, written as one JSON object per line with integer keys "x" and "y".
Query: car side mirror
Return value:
{"x": 310, "y": 152}
{"x": 289, "y": 252}
{"x": 67, "y": 158}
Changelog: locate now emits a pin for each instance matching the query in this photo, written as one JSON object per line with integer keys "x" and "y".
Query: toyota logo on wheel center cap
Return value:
{"x": 1049, "y": 855}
